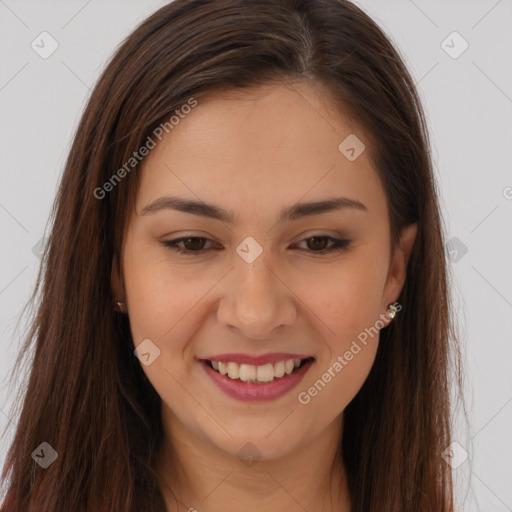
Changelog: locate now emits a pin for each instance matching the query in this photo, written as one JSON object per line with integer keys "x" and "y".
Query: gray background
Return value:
{"x": 468, "y": 100}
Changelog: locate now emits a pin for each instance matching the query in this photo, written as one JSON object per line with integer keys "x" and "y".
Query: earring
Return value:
{"x": 391, "y": 312}
{"x": 119, "y": 306}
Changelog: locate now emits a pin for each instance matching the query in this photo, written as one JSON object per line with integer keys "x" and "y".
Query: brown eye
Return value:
{"x": 317, "y": 243}
{"x": 192, "y": 244}
{"x": 320, "y": 244}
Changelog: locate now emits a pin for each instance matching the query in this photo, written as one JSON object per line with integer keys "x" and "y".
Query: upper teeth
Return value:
{"x": 252, "y": 373}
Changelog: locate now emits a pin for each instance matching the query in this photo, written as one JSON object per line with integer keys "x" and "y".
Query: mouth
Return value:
{"x": 257, "y": 374}
{"x": 267, "y": 381}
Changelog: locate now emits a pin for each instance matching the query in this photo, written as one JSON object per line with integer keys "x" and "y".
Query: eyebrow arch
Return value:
{"x": 294, "y": 212}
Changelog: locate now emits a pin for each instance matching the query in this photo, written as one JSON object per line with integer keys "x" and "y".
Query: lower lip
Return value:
{"x": 265, "y": 391}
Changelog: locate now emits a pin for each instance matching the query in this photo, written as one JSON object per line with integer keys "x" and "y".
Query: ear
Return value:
{"x": 116, "y": 281}
{"x": 398, "y": 268}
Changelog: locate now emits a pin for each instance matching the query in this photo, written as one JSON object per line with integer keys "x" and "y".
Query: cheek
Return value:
{"x": 157, "y": 293}
{"x": 347, "y": 299}
{"x": 335, "y": 386}
{"x": 353, "y": 341}
{"x": 348, "y": 302}
{"x": 159, "y": 310}
{"x": 157, "y": 300}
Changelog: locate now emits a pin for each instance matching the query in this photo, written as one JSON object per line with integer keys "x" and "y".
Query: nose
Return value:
{"x": 257, "y": 300}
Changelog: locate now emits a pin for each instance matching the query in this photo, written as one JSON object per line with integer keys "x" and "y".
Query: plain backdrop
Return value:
{"x": 460, "y": 54}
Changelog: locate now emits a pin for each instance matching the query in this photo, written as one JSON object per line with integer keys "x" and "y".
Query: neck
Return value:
{"x": 196, "y": 475}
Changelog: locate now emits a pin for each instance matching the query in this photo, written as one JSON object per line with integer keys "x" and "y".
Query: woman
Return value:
{"x": 244, "y": 299}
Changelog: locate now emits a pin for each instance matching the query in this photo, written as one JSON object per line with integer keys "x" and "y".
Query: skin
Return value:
{"x": 255, "y": 152}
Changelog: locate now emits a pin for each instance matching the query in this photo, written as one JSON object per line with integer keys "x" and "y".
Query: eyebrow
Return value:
{"x": 212, "y": 211}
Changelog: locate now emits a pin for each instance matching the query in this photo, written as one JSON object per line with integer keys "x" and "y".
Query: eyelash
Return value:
{"x": 337, "y": 245}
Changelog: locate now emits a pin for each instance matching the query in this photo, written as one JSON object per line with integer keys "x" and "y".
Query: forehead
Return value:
{"x": 250, "y": 148}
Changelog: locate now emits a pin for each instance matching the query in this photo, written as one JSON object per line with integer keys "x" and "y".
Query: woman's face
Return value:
{"x": 254, "y": 289}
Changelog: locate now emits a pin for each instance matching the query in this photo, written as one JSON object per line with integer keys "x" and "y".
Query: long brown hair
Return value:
{"x": 87, "y": 395}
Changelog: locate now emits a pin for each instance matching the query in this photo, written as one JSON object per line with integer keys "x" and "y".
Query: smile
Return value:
{"x": 256, "y": 374}
{"x": 267, "y": 381}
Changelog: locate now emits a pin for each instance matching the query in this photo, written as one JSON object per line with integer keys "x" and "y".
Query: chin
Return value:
{"x": 257, "y": 443}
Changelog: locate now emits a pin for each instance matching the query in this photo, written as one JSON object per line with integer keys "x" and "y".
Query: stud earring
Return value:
{"x": 392, "y": 310}
{"x": 118, "y": 305}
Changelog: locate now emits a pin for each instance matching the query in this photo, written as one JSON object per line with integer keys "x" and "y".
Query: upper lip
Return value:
{"x": 255, "y": 360}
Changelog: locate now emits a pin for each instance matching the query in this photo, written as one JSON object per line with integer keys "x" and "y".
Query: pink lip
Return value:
{"x": 255, "y": 360}
{"x": 264, "y": 391}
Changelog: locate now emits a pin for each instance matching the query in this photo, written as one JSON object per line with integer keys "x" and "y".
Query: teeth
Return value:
{"x": 233, "y": 370}
{"x": 247, "y": 372}
{"x": 252, "y": 373}
{"x": 265, "y": 373}
{"x": 279, "y": 369}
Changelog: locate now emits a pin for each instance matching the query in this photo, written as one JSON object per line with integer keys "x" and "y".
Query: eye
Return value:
{"x": 320, "y": 248}
{"x": 196, "y": 245}
{"x": 192, "y": 245}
